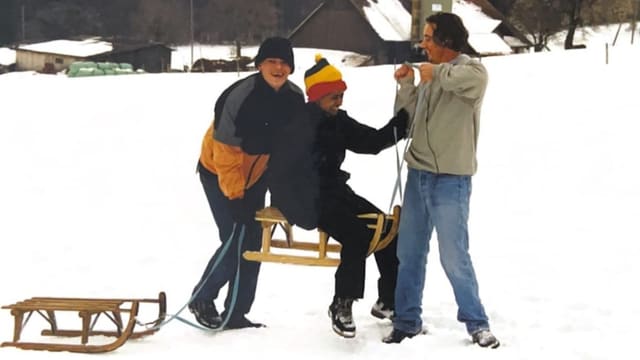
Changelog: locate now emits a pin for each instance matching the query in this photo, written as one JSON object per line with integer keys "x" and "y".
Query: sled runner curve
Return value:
{"x": 89, "y": 310}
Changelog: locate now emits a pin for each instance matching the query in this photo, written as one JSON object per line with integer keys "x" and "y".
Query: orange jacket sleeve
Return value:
{"x": 228, "y": 160}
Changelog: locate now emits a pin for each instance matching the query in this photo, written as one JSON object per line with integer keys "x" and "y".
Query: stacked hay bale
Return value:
{"x": 90, "y": 68}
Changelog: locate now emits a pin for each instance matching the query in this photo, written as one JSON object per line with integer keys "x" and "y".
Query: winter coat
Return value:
{"x": 446, "y": 113}
{"x": 215, "y": 157}
{"x": 335, "y": 135}
{"x": 248, "y": 115}
{"x": 292, "y": 176}
{"x": 304, "y": 169}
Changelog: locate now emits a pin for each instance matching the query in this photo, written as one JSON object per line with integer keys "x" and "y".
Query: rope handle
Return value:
{"x": 234, "y": 294}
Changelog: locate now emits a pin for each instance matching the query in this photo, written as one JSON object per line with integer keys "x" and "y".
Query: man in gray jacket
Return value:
{"x": 445, "y": 108}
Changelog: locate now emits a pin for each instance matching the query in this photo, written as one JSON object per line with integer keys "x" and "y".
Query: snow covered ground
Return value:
{"x": 99, "y": 198}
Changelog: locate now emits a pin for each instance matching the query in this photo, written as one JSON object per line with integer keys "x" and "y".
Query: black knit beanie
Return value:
{"x": 275, "y": 47}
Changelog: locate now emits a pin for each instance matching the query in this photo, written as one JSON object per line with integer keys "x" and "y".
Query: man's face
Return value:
{"x": 433, "y": 50}
{"x": 331, "y": 102}
{"x": 275, "y": 72}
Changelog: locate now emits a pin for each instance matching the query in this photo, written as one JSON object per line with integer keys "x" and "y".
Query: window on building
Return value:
{"x": 59, "y": 61}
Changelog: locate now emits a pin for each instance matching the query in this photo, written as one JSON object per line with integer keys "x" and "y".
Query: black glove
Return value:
{"x": 240, "y": 212}
{"x": 400, "y": 123}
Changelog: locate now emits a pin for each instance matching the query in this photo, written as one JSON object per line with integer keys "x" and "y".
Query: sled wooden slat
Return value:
{"x": 88, "y": 310}
{"x": 304, "y": 245}
{"x": 271, "y": 219}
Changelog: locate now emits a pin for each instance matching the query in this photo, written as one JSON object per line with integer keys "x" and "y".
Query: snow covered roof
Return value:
{"x": 514, "y": 41}
{"x": 474, "y": 19}
{"x": 7, "y": 56}
{"x": 488, "y": 44}
{"x": 79, "y": 48}
{"x": 390, "y": 20}
{"x": 480, "y": 26}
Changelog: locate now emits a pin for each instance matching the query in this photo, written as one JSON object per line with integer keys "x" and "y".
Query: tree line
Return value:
{"x": 249, "y": 21}
{"x": 540, "y": 19}
{"x": 168, "y": 21}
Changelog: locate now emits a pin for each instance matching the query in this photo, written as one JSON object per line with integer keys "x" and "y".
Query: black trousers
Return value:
{"x": 339, "y": 210}
{"x": 225, "y": 272}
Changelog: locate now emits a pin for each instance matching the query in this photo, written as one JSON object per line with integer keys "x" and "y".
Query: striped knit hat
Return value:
{"x": 322, "y": 79}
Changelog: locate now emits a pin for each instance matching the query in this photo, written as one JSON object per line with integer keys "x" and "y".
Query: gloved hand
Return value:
{"x": 240, "y": 212}
{"x": 400, "y": 123}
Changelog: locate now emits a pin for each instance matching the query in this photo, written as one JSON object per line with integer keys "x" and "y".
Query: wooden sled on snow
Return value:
{"x": 385, "y": 228}
{"x": 89, "y": 310}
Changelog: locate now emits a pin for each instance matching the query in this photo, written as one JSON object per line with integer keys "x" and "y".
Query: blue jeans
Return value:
{"x": 440, "y": 201}
{"x": 225, "y": 272}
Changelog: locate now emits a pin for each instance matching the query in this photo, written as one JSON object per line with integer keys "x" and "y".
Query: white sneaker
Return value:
{"x": 382, "y": 311}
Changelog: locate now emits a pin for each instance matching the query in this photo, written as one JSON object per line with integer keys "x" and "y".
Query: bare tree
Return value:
{"x": 232, "y": 20}
{"x": 540, "y": 19}
{"x": 162, "y": 20}
{"x": 60, "y": 18}
{"x": 8, "y": 28}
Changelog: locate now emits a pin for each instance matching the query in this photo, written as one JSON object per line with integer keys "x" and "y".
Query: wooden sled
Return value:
{"x": 89, "y": 310}
{"x": 271, "y": 219}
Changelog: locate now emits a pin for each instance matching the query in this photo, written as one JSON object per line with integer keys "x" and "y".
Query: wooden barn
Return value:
{"x": 489, "y": 32}
{"x": 379, "y": 29}
{"x": 388, "y": 32}
{"x": 56, "y": 55}
{"x": 516, "y": 40}
{"x": 151, "y": 57}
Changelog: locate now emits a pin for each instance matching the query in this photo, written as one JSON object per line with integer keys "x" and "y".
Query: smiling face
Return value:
{"x": 434, "y": 51}
{"x": 275, "y": 72}
{"x": 331, "y": 102}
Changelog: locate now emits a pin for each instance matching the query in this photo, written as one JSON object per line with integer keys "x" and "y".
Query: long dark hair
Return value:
{"x": 449, "y": 31}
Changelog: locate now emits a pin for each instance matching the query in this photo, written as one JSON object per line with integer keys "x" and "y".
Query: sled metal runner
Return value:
{"x": 384, "y": 226}
{"x": 89, "y": 310}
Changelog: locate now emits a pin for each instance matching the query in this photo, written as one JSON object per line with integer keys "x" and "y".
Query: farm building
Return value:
{"x": 57, "y": 55}
{"x": 388, "y": 32}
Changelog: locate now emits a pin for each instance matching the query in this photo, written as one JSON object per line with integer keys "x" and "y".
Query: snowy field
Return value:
{"x": 99, "y": 198}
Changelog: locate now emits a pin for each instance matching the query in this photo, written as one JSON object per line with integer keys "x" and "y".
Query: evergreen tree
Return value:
{"x": 8, "y": 22}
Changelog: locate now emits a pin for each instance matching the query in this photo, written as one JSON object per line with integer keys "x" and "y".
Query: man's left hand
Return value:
{"x": 426, "y": 72}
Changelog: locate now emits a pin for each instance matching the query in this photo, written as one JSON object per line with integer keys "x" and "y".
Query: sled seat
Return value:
{"x": 89, "y": 310}
{"x": 385, "y": 228}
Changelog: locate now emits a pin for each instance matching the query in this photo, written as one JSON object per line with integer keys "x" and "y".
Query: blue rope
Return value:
{"x": 234, "y": 293}
{"x": 236, "y": 281}
{"x": 397, "y": 186}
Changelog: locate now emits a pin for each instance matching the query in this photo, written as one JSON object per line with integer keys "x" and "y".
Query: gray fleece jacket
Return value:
{"x": 445, "y": 117}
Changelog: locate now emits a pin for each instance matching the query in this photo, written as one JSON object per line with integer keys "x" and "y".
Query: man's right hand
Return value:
{"x": 403, "y": 71}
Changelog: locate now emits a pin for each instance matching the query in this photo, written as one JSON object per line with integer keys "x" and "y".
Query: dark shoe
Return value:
{"x": 205, "y": 313}
{"x": 241, "y": 322}
{"x": 382, "y": 310}
{"x": 341, "y": 317}
{"x": 485, "y": 338}
{"x": 397, "y": 336}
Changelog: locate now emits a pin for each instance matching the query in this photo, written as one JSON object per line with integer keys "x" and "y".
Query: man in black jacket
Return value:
{"x": 235, "y": 156}
{"x": 339, "y": 206}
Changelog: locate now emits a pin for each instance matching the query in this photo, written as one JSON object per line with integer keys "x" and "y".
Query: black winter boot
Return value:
{"x": 342, "y": 318}
{"x": 205, "y": 313}
{"x": 382, "y": 310}
{"x": 396, "y": 336}
{"x": 485, "y": 338}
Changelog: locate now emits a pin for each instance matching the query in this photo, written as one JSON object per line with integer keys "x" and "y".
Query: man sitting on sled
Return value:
{"x": 339, "y": 206}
